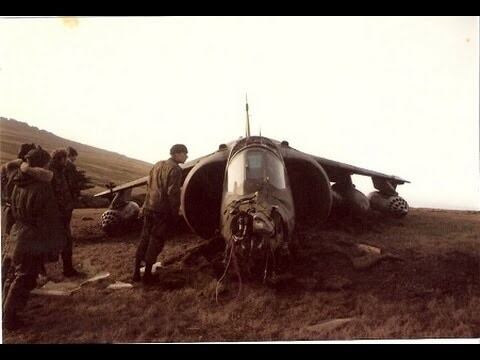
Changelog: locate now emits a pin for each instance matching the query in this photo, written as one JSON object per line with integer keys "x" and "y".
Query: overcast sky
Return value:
{"x": 396, "y": 95}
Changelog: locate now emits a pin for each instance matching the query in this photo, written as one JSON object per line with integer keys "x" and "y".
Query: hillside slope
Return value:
{"x": 101, "y": 165}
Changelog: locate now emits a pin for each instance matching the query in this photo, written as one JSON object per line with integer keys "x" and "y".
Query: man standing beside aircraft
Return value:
{"x": 65, "y": 203}
{"x": 71, "y": 173}
{"x": 71, "y": 176}
{"x": 160, "y": 210}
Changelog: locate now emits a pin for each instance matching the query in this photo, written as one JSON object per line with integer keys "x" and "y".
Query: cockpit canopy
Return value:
{"x": 251, "y": 169}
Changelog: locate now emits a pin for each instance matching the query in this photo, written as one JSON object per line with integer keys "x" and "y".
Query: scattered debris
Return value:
{"x": 57, "y": 289}
{"x": 66, "y": 288}
{"x": 100, "y": 276}
{"x": 119, "y": 285}
{"x": 87, "y": 218}
{"x": 367, "y": 261}
{"x": 328, "y": 325}
{"x": 368, "y": 249}
{"x": 362, "y": 256}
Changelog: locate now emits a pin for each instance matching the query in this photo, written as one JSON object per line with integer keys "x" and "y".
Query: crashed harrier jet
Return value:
{"x": 253, "y": 191}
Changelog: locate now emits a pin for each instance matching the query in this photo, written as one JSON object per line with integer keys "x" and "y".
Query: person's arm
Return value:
{"x": 13, "y": 165}
{"x": 8, "y": 170}
{"x": 151, "y": 177}
{"x": 38, "y": 173}
{"x": 173, "y": 190}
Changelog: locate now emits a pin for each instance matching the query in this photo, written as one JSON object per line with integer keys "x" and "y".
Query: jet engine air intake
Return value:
{"x": 310, "y": 189}
{"x": 202, "y": 195}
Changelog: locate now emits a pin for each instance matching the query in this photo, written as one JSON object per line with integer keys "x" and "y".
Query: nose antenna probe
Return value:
{"x": 247, "y": 126}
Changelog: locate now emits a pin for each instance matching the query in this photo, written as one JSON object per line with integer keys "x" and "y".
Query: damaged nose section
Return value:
{"x": 263, "y": 225}
{"x": 256, "y": 241}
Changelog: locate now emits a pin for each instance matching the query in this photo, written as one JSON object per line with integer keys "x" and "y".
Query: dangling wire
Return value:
{"x": 266, "y": 267}
{"x": 225, "y": 272}
{"x": 237, "y": 272}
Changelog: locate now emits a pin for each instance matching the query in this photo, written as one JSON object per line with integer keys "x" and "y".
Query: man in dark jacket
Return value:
{"x": 65, "y": 204}
{"x": 71, "y": 173}
{"x": 160, "y": 210}
{"x": 8, "y": 172}
{"x": 37, "y": 233}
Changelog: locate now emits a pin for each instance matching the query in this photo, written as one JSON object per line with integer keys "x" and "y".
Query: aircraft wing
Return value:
{"x": 144, "y": 180}
{"x": 336, "y": 171}
{"x": 129, "y": 185}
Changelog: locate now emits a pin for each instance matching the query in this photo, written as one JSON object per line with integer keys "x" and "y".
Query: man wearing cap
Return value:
{"x": 37, "y": 233}
{"x": 160, "y": 209}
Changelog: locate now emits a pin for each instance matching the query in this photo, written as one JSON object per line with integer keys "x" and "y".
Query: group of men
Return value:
{"x": 38, "y": 194}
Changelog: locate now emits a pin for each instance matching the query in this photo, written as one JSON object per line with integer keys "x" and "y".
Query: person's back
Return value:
{"x": 37, "y": 234}
{"x": 160, "y": 209}
{"x": 37, "y": 226}
{"x": 163, "y": 187}
{"x": 8, "y": 173}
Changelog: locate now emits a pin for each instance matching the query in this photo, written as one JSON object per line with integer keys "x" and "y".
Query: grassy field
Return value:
{"x": 429, "y": 288}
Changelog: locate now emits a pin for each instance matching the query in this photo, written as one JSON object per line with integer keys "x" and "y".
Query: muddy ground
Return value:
{"x": 425, "y": 283}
